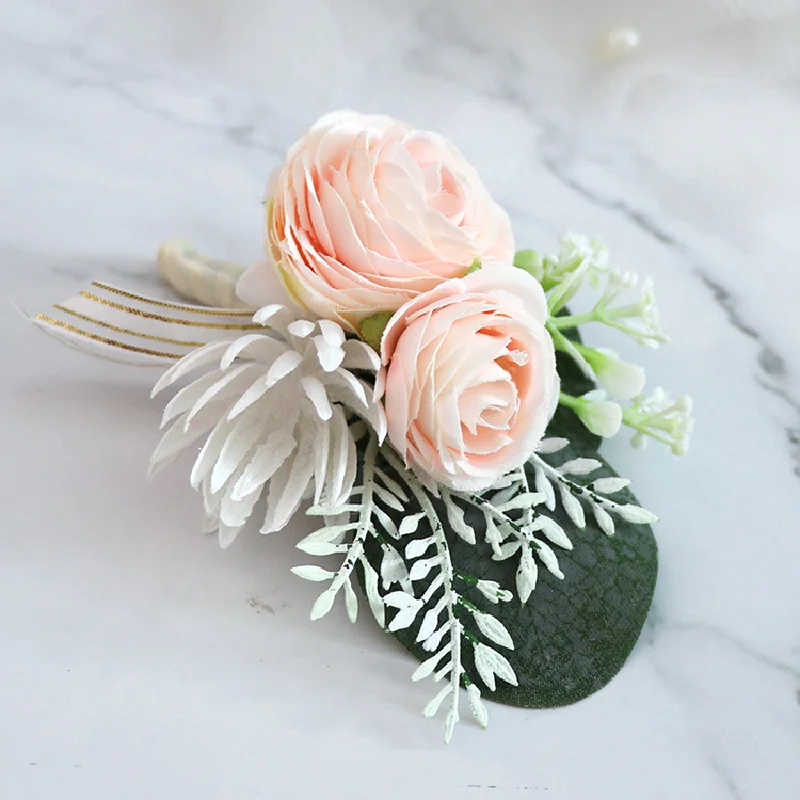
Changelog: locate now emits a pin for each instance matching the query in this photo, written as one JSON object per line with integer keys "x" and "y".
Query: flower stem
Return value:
{"x": 569, "y": 401}
{"x": 632, "y": 419}
{"x": 573, "y": 320}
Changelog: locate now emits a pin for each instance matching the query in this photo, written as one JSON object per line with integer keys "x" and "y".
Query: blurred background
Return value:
{"x": 704, "y": 94}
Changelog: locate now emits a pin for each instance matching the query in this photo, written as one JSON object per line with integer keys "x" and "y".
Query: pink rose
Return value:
{"x": 469, "y": 377}
{"x": 367, "y": 213}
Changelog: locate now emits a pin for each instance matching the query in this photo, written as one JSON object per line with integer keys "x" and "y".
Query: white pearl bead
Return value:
{"x": 619, "y": 42}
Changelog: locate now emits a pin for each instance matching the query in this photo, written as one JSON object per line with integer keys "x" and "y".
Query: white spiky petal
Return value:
{"x": 274, "y": 408}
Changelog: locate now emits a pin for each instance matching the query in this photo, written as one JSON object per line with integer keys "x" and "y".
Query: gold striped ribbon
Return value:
{"x": 116, "y": 323}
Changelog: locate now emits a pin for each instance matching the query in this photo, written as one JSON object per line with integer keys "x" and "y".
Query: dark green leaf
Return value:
{"x": 565, "y": 422}
{"x": 574, "y": 634}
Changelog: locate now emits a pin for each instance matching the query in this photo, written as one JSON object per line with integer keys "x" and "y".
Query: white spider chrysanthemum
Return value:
{"x": 275, "y": 407}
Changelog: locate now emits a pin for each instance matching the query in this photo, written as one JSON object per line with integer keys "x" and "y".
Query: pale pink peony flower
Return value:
{"x": 367, "y": 213}
{"x": 469, "y": 377}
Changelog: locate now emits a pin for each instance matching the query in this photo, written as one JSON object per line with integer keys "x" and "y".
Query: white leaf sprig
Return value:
{"x": 518, "y": 517}
{"x": 595, "y": 495}
{"x": 512, "y": 527}
{"x": 417, "y": 579}
{"x": 445, "y": 638}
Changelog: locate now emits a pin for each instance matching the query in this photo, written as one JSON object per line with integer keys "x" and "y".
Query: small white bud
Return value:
{"x": 681, "y": 447}
{"x": 602, "y": 418}
{"x": 614, "y": 278}
{"x": 595, "y": 396}
{"x": 621, "y": 379}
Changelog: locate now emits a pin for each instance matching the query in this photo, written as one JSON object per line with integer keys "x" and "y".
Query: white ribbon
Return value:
{"x": 120, "y": 325}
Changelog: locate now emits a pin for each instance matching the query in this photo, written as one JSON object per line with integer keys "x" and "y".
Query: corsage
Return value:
{"x": 428, "y": 398}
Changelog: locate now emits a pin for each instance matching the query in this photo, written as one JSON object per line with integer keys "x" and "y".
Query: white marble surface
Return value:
{"x": 139, "y": 660}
